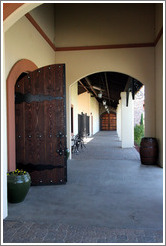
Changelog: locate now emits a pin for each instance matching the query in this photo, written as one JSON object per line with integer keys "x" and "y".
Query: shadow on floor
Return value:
{"x": 109, "y": 198}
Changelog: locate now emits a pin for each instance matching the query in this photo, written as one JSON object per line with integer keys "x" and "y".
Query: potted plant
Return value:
{"x": 18, "y": 184}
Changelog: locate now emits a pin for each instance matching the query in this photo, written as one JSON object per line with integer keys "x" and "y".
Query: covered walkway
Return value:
{"x": 109, "y": 198}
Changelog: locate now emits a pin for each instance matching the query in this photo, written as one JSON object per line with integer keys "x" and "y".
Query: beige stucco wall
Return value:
{"x": 45, "y": 18}
{"x": 89, "y": 105}
{"x": 84, "y": 103}
{"x": 17, "y": 14}
{"x": 159, "y": 82}
{"x": 94, "y": 111}
{"x": 23, "y": 41}
{"x": 136, "y": 62}
{"x": 159, "y": 97}
{"x": 74, "y": 102}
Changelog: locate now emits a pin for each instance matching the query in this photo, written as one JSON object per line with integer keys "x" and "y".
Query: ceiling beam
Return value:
{"x": 128, "y": 84}
{"x": 84, "y": 86}
{"x": 106, "y": 81}
{"x": 129, "y": 88}
{"x": 91, "y": 87}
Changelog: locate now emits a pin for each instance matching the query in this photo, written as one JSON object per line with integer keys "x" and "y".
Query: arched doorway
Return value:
{"x": 103, "y": 91}
{"x": 20, "y": 67}
{"x": 108, "y": 121}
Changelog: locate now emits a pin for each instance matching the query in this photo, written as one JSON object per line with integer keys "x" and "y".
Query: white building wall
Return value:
{"x": 89, "y": 105}
{"x": 84, "y": 103}
{"x": 94, "y": 109}
{"x": 74, "y": 103}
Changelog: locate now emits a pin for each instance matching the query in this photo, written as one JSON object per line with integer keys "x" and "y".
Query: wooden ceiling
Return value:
{"x": 111, "y": 84}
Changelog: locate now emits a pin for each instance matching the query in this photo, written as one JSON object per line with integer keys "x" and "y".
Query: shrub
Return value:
{"x": 138, "y": 133}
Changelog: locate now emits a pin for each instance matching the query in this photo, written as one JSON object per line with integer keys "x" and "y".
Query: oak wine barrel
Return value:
{"x": 149, "y": 151}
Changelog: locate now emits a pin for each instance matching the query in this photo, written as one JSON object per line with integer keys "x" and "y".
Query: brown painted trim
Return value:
{"x": 112, "y": 46}
{"x": 158, "y": 36}
{"x": 9, "y": 8}
{"x": 20, "y": 67}
{"x": 95, "y": 47}
{"x": 42, "y": 33}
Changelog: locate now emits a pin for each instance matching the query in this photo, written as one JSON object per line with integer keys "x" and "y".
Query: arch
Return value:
{"x": 19, "y": 67}
{"x": 12, "y": 12}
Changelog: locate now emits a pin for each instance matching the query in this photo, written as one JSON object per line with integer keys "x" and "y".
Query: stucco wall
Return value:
{"x": 44, "y": 16}
{"x": 159, "y": 97}
{"x": 159, "y": 82}
{"x": 74, "y": 102}
{"x": 89, "y": 105}
{"x": 23, "y": 41}
{"x": 84, "y": 103}
{"x": 136, "y": 62}
{"x": 94, "y": 111}
{"x": 20, "y": 41}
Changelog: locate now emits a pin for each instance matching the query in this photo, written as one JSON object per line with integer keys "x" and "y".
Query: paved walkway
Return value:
{"x": 109, "y": 198}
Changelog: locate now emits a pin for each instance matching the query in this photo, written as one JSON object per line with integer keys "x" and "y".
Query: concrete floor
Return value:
{"x": 110, "y": 197}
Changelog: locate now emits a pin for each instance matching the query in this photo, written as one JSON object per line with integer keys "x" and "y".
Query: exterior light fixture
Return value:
{"x": 104, "y": 102}
{"x": 100, "y": 94}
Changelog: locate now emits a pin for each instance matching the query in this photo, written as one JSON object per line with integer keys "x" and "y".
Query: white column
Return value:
{"x": 4, "y": 133}
{"x": 68, "y": 120}
{"x": 127, "y": 121}
{"x": 119, "y": 120}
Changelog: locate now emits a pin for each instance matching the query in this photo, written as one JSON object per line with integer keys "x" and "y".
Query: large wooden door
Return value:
{"x": 40, "y": 110}
{"x": 108, "y": 122}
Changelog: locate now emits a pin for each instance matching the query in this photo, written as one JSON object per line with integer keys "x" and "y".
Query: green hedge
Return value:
{"x": 138, "y": 133}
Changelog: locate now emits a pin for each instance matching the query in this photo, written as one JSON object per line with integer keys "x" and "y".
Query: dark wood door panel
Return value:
{"x": 108, "y": 122}
{"x": 40, "y": 116}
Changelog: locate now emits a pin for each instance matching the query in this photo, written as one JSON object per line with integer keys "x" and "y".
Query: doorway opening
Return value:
{"x": 97, "y": 97}
{"x": 20, "y": 67}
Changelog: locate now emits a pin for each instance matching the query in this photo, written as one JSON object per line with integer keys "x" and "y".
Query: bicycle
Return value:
{"x": 77, "y": 142}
